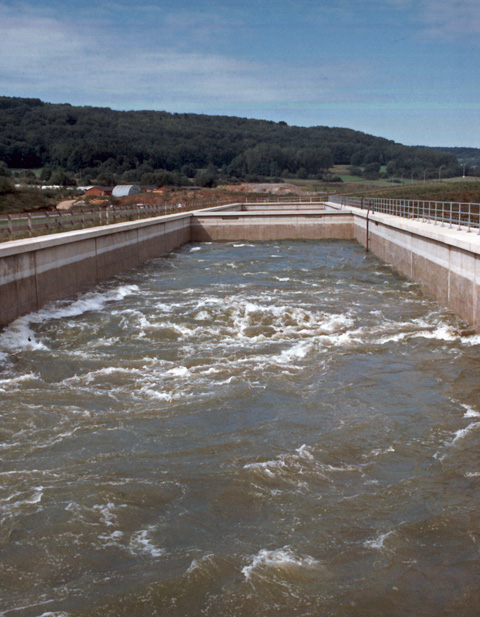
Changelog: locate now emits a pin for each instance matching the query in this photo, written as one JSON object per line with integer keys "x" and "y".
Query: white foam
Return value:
{"x": 36, "y": 497}
{"x": 111, "y": 539}
{"x": 470, "y": 412}
{"x": 141, "y": 543}
{"x": 460, "y": 434}
{"x": 378, "y": 543}
{"x": 107, "y": 371}
{"x": 280, "y": 559}
{"x": 288, "y": 468}
{"x": 19, "y": 335}
{"x": 202, "y": 316}
{"x": 199, "y": 564}
{"x": 304, "y": 452}
{"x": 471, "y": 340}
{"x": 13, "y": 382}
{"x": 158, "y": 396}
{"x": 107, "y": 516}
{"x": 18, "y": 501}
{"x": 89, "y": 302}
{"x": 417, "y": 328}
{"x": 194, "y": 249}
{"x": 385, "y": 451}
{"x": 268, "y": 468}
{"x": 296, "y": 352}
{"x": 180, "y": 371}
{"x": 441, "y": 333}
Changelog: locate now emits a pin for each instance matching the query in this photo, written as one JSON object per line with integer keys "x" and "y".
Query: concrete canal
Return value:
{"x": 241, "y": 430}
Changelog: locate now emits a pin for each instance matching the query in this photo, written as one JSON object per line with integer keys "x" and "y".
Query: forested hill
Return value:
{"x": 469, "y": 156}
{"x": 143, "y": 145}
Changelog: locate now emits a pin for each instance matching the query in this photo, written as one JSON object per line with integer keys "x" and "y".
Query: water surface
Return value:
{"x": 271, "y": 430}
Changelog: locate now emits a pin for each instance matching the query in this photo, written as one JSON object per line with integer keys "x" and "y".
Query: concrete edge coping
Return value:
{"x": 459, "y": 239}
{"x": 26, "y": 245}
{"x": 267, "y": 213}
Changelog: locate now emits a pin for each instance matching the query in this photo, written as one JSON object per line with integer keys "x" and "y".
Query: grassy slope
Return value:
{"x": 455, "y": 190}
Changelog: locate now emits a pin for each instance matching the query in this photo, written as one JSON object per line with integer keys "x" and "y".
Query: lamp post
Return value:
{"x": 425, "y": 174}
{"x": 464, "y": 170}
{"x": 440, "y": 172}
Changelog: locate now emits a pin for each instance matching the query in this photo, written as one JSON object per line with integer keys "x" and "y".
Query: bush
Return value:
{"x": 328, "y": 177}
{"x": 4, "y": 171}
{"x": 354, "y": 170}
{"x": 6, "y": 186}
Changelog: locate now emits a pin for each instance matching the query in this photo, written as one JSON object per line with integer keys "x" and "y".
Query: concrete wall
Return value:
{"x": 39, "y": 270}
{"x": 291, "y": 207}
{"x": 270, "y": 223}
{"x": 444, "y": 261}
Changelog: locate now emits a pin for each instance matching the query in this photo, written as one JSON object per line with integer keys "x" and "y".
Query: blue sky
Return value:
{"x": 408, "y": 70}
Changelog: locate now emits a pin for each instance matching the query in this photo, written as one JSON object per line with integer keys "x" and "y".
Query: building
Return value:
{"x": 123, "y": 190}
{"x": 98, "y": 190}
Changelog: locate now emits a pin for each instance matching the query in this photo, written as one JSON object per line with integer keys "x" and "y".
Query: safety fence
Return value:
{"x": 458, "y": 215}
{"x": 291, "y": 199}
{"x": 30, "y": 224}
{"x": 27, "y": 225}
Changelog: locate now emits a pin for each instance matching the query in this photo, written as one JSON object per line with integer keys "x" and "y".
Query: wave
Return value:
{"x": 297, "y": 469}
{"x": 282, "y": 560}
{"x": 378, "y": 543}
{"x": 141, "y": 543}
{"x": 19, "y": 335}
{"x": 463, "y": 432}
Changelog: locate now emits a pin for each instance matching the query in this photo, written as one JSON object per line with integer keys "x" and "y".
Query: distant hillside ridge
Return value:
{"x": 469, "y": 156}
{"x": 151, "y": 146}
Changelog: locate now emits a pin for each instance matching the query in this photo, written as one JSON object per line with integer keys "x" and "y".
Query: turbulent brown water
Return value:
{"x": 278, "y": 430}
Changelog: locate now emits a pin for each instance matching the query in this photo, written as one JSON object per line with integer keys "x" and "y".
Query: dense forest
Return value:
{"x": 101, "y": 145}
{"x": 469, "y": 156}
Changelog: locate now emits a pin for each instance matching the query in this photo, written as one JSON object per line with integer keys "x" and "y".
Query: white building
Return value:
{"x": 123, "y": 190}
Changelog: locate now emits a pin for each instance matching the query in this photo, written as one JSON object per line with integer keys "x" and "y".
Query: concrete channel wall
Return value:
{"x": 39, "y": 270}
{"x": 250, "y": 224}
{"x": 446, "y": 262}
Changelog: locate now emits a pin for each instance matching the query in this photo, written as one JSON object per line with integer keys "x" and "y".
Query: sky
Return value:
{"x": 407, "y": 70}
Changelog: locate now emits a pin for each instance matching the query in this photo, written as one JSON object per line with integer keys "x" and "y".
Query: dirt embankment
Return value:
{"x": 282, "y": 188}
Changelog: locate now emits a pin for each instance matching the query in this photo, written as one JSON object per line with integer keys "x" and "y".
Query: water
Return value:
{"x": 278, "y": 430}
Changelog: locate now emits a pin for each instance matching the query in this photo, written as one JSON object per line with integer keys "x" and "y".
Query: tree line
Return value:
{"x": 155, "y": 147}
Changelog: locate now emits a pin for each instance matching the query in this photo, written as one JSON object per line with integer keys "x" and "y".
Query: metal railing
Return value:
{"x": 30, "y": 224}
{"x": 458, "y": 215}
{"x": 301, "y": 199}
{"x": 27, "y": 225}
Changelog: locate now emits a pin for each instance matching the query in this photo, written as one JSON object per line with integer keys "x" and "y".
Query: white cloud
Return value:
{"x": 448, "y": 20}
{"x": 89, "y": 65}
{"x": 451, "y": 18}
